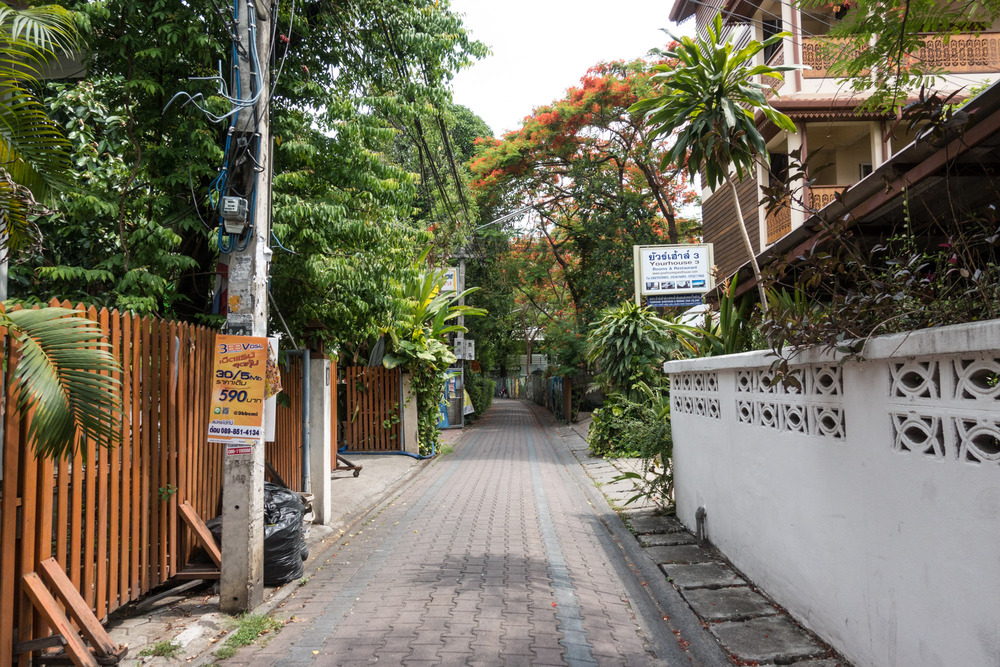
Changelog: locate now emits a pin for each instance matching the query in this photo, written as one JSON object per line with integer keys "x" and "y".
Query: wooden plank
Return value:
{"x": 145, "y": 462}
{"x": 201, "y": 531}
{"x": 125, "y": 455}
{"x": 173, "y": 378}
{"x": 386, "y": 431}
{"x": 365, "y": 410}
{"x": 198, "y": 456}
{"x": 101, "y": 510}
{"x": 76, "y": 514}
{"x": 43, "y": 532}
{"x": 183, "y": 437}
{"x": 77, "y": 608}
{"x": 49, "y": 608}
{"x": 135, "y": 438}
{"x": 349, "y": 407}
{"x": 333, "y": 415}
{"x": 163, "y": 452}
{"x": 8, "y": 510}
{"x": 62, "y": 518}
{"x": 114, "y": 499}
{"x": 29, "y": 524}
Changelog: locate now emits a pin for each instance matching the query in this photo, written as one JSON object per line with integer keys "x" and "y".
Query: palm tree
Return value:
{"x": 34, "y": 154}
{"x": 64, "y": 375}
{"x": 711, "y": 97}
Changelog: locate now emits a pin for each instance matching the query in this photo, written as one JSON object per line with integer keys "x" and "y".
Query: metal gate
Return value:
{"x": 373, "y": 410}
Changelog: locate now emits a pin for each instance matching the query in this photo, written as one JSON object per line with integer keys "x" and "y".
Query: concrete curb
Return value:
{"x": 697, "y": 588}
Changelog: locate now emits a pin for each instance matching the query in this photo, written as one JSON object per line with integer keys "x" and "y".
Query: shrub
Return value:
{"x": 610, "y": 426}
{"x": 480, "y": 390}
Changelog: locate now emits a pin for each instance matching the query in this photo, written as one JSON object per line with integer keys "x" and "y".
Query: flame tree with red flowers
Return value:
{"x": 591, "y": 173}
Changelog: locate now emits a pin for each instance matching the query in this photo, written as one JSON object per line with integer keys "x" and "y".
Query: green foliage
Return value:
{"x": 710, "y": 97}
{"x": 566, "y": 346}
{"x": 606, "y": 437}
{"x": 497, "y": 336}
{"x": 419, "y": 344}
{"x": 591, "y": 172}
{"x": 140, "y": 233}
{"x": 907, "y": 282}
{"x": 64, "y": 376}
{"x": 873, "y": 48}
{"x": 249, "y": 627}
{"x": 628, "y": 344}
{"x": 84, "y": 256}
{"x": 480, "y": 390}
{"x": 638, "y": 427}
{"x": 651, "y": 437}
{"x": 730, "y": 329}
{"x": 162, "y": 649}
{"x": 33, "y": 151}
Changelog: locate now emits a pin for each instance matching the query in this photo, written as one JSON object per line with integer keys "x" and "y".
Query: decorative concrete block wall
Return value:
{"x": 867, "y": 502}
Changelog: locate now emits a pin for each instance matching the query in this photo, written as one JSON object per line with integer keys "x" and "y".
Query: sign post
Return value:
{"x": 673, "y": 275}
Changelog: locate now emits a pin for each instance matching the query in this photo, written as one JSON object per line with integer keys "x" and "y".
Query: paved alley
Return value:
{"x": 492, "y": 556}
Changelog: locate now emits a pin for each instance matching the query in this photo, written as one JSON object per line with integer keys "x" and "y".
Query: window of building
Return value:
{"x": 771, "y": 27}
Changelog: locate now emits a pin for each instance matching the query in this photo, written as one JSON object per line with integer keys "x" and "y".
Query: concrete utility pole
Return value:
{"x": 241, "y": 585}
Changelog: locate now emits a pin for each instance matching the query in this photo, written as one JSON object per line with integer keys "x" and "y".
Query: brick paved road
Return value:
{"x": 491, "y": 556}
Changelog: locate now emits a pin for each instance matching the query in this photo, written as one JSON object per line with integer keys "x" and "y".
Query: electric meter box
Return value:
{"x": 234, "y": 214}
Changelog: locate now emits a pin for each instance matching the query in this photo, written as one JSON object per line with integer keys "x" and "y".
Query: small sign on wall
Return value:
{"x": 450, "y": 279}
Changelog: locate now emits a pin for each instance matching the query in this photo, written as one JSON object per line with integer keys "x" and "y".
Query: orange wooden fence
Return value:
{"x": 285, "y": 453}
{"x": 372, "y": 415}
{"x": 112, "y": 522}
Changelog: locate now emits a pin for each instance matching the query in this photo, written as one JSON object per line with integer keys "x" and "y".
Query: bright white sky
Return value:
{"x": 542, "y": 47}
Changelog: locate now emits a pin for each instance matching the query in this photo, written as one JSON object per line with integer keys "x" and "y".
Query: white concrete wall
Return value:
{"x": 868, "y": 503}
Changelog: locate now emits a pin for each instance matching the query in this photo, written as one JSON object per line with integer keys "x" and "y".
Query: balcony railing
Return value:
{"x": 776, "y": 59}
{"x": 819, "y": 53}
{"x": 964, "y": 53}
{"x": 779, "y": 222}
{"x": 822, "y": 195}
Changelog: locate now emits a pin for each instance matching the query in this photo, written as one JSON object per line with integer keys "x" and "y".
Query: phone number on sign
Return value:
{"x": 236, "y": 431}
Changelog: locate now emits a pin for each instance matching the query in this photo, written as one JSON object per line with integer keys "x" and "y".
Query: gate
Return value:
{"x": 373, "y": 410}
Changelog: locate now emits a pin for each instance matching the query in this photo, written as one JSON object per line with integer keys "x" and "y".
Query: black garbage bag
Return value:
{"x": 283, "y": 541}
{"x": 284, "y": 545}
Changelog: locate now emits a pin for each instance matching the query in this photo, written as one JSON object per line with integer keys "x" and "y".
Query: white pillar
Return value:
{"x": 411, "y": 434}
{"x": 320, "y": 438}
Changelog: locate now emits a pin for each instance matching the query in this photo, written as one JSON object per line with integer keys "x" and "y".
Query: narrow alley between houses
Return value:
{"x": 497, "y": 553}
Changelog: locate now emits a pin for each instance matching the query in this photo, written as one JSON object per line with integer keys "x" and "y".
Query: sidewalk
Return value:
{"x": 751, "y": 628}
{"x": 188, "y": 615}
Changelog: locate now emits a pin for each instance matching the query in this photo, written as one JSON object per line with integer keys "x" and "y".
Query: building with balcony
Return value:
{"x": 832, "y": 131}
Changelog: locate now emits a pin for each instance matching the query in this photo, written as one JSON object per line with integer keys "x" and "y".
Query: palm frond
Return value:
{"x": 32, "y": 148}
{"x": 65, "y": 377}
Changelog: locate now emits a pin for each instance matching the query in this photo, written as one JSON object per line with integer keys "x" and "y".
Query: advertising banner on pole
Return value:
{"x": 238, "y": 385}
{"x": 672, "y": 270}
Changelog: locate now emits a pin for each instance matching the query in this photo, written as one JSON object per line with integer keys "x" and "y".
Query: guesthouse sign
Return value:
{"x": 672, "y": 270}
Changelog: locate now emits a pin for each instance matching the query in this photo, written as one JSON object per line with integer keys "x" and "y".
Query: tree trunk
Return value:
{"x": 749, "y": 246}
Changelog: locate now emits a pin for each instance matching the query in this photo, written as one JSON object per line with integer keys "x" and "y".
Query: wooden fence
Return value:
{"x": 373, "y": 410}
{"x": 112, "y": 522}
{"x": 285, "y": 453}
